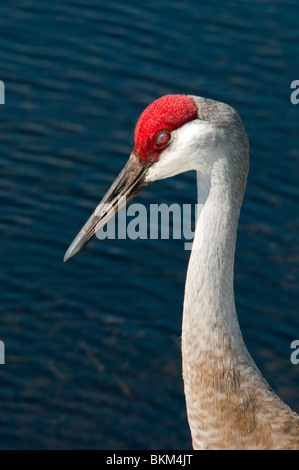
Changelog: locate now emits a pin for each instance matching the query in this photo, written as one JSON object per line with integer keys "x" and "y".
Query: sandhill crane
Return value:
{"x": 229, "y": 403}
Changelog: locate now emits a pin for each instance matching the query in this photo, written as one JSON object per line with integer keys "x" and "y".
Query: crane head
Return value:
{"x": 174, "y": 134}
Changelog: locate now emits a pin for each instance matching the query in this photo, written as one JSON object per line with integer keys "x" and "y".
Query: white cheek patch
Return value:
{"x": 183, "y": 153}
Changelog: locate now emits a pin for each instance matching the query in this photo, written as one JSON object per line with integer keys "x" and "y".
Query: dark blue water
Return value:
{"x": 93, "y": 346}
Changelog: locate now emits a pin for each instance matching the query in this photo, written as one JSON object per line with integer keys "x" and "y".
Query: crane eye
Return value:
{"x": 162, "y": 138}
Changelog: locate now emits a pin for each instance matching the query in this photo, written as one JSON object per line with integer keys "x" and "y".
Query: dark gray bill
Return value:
{"x": 127, "y": 185}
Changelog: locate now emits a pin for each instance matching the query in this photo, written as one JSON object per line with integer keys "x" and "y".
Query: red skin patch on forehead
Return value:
{"x": 169, "y": 112}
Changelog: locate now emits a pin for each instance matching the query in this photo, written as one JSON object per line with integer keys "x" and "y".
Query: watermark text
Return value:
{"x": 2, "y": 353}
{"x": 137, "y": 221}
{"x": 295, "y": 354}
{"x": 2, "y": 93}
{"x": 295, "y": 94}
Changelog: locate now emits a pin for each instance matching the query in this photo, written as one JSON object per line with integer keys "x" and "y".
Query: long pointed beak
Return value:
{"x": 127, "y": 185}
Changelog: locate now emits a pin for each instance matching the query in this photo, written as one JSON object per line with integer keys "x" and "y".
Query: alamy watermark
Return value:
{"x": 2, "y": 92}
{"x": 295, "y": 354}
{"x": 139, "y": 222}
{"x": 295, "y": 94}
{"x": 2, "y": 353}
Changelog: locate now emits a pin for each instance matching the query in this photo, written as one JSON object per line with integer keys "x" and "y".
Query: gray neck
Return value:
{"x": 211, "y": 337}
{"x": 209, "y": 306}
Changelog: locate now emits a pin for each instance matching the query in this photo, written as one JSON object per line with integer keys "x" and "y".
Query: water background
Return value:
{"x": 93, "y": 346}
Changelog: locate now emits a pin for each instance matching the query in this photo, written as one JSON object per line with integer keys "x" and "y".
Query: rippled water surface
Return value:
{"x": 93, "y": 346}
